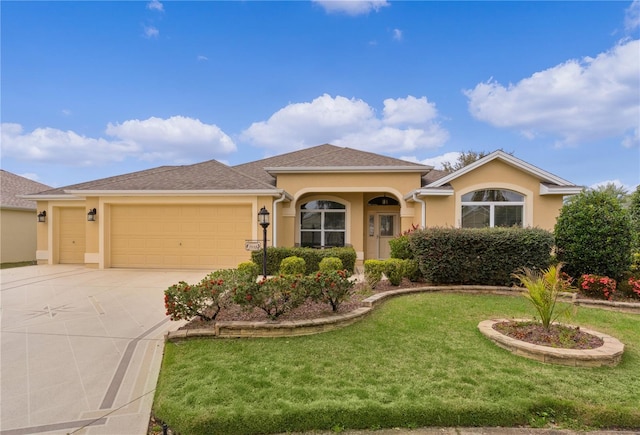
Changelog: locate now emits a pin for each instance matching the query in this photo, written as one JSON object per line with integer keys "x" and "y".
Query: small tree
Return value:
{"x": 543, "y": 289}
{"x": 593, "y": 235}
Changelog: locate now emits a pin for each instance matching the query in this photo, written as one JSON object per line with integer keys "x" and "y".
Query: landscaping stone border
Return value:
{"x": 609, "y": 354}
{"x": 286, "y": 328}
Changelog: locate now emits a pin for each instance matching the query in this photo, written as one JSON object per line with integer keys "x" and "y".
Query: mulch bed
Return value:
{"x": 308, "y": 310}
{"x": 559, "y": 336}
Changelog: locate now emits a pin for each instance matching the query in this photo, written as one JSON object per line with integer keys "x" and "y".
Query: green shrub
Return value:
{"x": 634, "y": 214}
{"x": 487, "y": 256}
{"x": 330, "y": 263}
{"x": 629, "y": 286}
{"x": 250, "y": 268}
{"x": 394, "y": 269}
{"x": 205, "y": 299}
{"x": 330, "y": 286}
{"x": 312, "y": 258}
{"x": 373, "y": 270}
{"x": 275, "y": 296}
{"x": 412, "y": 270}
{"x": 400, "y": 247}
{"x": 593, "y": 236}
{"x": 293, "y": 266}
{"x": 599, "y": 287}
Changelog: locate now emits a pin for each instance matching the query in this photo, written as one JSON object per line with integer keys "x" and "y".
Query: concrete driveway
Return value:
{"x": 81, "y": 348}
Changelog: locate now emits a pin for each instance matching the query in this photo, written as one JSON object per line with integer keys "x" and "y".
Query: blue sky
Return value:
{"x": 94, "y": 89}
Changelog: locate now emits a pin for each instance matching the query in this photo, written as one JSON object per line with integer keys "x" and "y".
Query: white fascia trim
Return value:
{"x": 430, "y": 192}
{"x": 85, "y": 193}
{"x": 50, "y": 197}
{"x": 560, "y": 190}
{"x": 510, "y": 160}
{"x": 302, "y": 170}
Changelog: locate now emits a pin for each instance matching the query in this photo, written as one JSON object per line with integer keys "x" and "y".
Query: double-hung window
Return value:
{"x": 322, "y": 224}
{"x": 492, "y": 208}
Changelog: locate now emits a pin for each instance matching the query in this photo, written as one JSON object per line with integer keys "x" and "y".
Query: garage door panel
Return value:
{"x": 180, "y": 236}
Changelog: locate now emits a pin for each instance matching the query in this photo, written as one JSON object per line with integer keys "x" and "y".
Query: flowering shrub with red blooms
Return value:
{"x": 634, "y": 283}
{"x": 205, "y": 299}
{"x": 595, "y": 286}
{"x": 330, "y": 286}
{"x": 275, "y": 296}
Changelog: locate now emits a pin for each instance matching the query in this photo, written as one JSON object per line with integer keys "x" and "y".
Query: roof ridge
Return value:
{"x": 237, "y": 171}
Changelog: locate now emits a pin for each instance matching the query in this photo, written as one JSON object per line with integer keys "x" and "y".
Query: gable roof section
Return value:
{"x": 550, "y": 184}
{"x": 201, "y": 178}
{"x": 327, "y": 158}
{"x": 12, "y": 186}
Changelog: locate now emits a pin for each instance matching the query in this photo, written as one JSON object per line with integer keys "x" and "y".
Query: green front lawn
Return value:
{"x": 416, "y": 361}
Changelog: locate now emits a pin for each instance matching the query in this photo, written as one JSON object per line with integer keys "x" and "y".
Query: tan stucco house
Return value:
{"x": 17, "y": 218}
{"x": 203, "y": 215}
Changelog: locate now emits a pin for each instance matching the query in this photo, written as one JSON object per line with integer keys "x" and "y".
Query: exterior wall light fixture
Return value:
{"x": 42, "y": 216}
{"x": 91, "y": 216}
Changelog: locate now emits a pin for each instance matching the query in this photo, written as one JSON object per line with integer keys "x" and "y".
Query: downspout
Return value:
{"x": 424, "y": 209}
{"x": 275, "y": 220}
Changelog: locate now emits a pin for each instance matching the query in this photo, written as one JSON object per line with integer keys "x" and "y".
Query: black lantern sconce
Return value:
{"x": 42, "y": 216}
{"x": 263, "y": 220}
{"x": 91, "y": 216}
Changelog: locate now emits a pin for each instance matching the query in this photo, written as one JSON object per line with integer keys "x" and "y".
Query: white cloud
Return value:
{"x": 615, "y": 182}
{"x": 177, "y": 137}
{"x": 397, "y": 34}
{"x": 632, "y": 16}
{"x": 202, "y": 58}
{"x": 57, "y": 146}
{"x": 151, "y": 32}
{"x": 437, "y": 161}
{"x": 352, "y": 7}
{"x": 176, "y": 140}
{"x": 407, "y": 124}
{"x": 595, "y": 98}
{"x": 155, "y": 5}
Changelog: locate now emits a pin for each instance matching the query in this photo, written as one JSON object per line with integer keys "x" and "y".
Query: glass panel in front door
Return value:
{"x": 387, "y": 225}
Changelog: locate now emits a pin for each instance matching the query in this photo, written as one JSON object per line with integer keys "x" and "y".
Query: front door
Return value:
{"x": 382, "y": 228}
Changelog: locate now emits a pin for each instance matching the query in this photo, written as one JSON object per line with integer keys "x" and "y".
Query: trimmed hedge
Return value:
{"x": 485, "y": 256}
{"x": 312, "y": 258}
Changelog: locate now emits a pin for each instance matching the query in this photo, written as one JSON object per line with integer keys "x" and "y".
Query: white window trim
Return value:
{"x": 527, "y": 212}
{"x": 347, "y": 216}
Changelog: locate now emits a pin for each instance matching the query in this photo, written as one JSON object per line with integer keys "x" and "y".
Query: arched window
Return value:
{"x": 492, "y": 208}
{"x": 322, "y": 224}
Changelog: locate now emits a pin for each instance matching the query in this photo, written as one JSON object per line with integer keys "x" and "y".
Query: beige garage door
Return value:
{"x": 71, "y": 235}
{"x": 180, "y": 236}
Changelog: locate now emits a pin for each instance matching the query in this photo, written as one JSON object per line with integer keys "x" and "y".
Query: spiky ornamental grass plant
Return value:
{"x": 543, "y": 288}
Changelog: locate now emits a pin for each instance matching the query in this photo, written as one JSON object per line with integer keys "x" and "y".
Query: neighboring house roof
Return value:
{"x": 549, "y": 183}
{"x": 326, "y": 158}
{"x": 12, "y": 186}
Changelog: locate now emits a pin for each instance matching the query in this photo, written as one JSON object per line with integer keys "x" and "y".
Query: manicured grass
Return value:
{"x": 416, "y": 361}
{"x": 19, "y": 264}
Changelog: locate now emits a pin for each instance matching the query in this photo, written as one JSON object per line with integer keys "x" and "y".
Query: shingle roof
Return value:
{"x": 12, "y": 185}
{"x": 323, "y": 156}
{"x": 434, "y": 175}
{"x": 210, "y": 175}
{"x": 215, "y": 176}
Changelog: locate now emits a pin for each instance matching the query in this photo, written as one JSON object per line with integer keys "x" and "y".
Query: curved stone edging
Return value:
{"x": 290, "y": 328}
{"x": 609, "y": 354}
